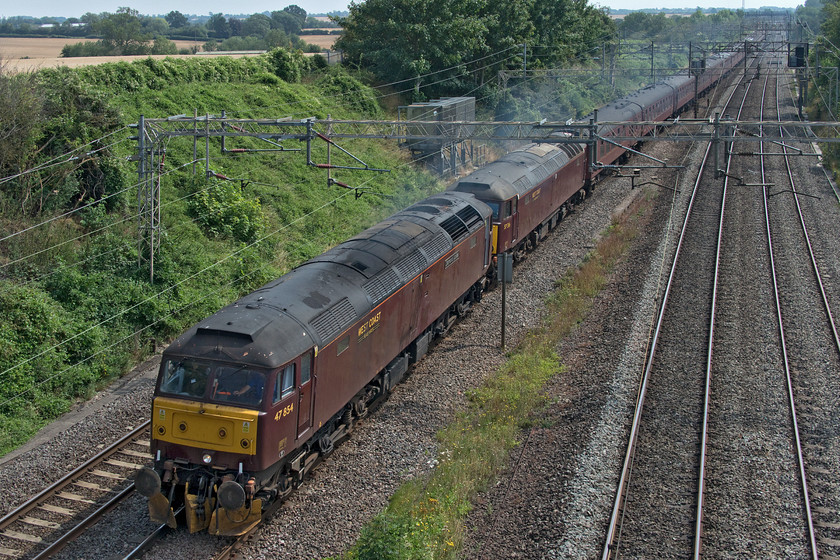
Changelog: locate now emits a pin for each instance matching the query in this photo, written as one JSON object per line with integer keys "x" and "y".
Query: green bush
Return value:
{"x": 289, "y": 66}
{"x": 338, "y": 82}
{"x": 162, "y": 45}
{"x": 226, "y": 212}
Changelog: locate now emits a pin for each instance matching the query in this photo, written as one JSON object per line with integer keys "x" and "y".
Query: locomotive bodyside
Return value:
{"x": 314, "y": 348}
{"x": 529, "y": 190}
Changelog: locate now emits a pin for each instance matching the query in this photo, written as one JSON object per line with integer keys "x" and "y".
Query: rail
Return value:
{"x": 20, "y": 516}
{"x": 618, "y": 503}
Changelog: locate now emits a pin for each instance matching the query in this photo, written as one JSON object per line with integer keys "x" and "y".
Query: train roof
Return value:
{"x": 317, "y": 301}
{"x": 517, "y": 172}
{"x": 625, "y": 108}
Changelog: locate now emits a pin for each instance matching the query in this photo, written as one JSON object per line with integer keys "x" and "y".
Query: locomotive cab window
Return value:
{"x": 494, "y": 206}
{"x": 285, "y": 383}
{"x": 237, "y": 385}
{"x": 184, "y": 378}
{"x": 508, "y": 207}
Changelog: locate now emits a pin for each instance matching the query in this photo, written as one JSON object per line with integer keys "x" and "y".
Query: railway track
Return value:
{"x": 671, "y": 511}
{"x": 56, "y": 516}
{"x": 808, "y": 328}
{"x": 714, "y": 459}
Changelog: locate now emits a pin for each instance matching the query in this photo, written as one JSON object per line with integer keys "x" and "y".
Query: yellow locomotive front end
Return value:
{"x": 205, "y": 449}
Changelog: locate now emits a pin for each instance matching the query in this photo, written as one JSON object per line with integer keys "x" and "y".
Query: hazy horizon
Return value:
{"x": 54, "y": 8}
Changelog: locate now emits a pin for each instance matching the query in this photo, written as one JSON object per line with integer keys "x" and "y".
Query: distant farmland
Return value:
{"x": 22, "y": 54}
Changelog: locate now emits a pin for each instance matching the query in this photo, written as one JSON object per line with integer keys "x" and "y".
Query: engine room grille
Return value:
{"x": 381, "y": 286}
{"x": 522, "y": 184}
{"x": 436, "y": 248}
{"x": 455, "y": 228}
{"x": 470, "y": 217}
{"x": 410, "y": 266}
{"x": 330, "y": 323}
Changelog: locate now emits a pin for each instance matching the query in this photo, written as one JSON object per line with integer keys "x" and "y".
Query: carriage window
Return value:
{"x": 305, "y": 368}
{"x": 184, "y": 377}
{"x": 285, "y": 383}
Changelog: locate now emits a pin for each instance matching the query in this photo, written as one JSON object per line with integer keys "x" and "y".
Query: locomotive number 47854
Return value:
{"x": 285, "y": 412}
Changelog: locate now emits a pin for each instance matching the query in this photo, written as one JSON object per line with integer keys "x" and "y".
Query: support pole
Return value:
{"x": 593, "y": 142}
{"x": 224, "y": 128}
{"x": 716, "y": 145}
{"x": 525, "y": 60}
{"x": 652, "y": 72}
{"x": 745, "y": 58}
{"x": 206, "y": 146}
{"x": 154, "y": 211}
{"x": 504, "y": 310}
{"x": 141, "y": 180}
{"x": 195, "y": 140}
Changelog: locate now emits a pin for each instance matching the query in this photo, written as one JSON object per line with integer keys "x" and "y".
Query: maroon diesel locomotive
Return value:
{"x": 248, "y": 400}
{"x": 529, "y": 190}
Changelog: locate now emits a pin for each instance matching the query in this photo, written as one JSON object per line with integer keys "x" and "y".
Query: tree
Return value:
{"x": 176, "y": 19}
{"x": 569, "y": 28}
{"x": 121, "y": 30}
{"x": 155, "y": 27}
{"x": 22, "y": 110}
{"x": 90, "y": 18}
{"x": 285, "y": 21}
{"x": 162, "y": 45}
{"x": 404, "y": 39}
{"x": 298, "y": 12}
{"x": 508, "y": 24}
{"x": 235, "y": 27}
{"x": 257, "y": 25}
{"x": 218, "y": 26}
{"x": 276, "y": 38}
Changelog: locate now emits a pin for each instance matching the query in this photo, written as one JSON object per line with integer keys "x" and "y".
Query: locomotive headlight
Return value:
{"x": 207, "y": 458}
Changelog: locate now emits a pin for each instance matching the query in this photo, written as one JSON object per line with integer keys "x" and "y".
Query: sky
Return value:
{"x": 76, "y": 8}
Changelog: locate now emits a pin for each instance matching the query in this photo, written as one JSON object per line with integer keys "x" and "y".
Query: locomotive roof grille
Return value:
{"x": 455, "y": 227}
{"x": 571, "y": 149}
{"x": 522, "y": 183}
{"x": 410, "y": 266}
{"x": 381, "y": 286}
{"x": 470, "y": 217}
{"x": 436, "y": 248}
{"x": 331, "y": 322}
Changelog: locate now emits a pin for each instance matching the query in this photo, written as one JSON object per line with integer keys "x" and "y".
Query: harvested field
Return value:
{"x": 19, "y": 54}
